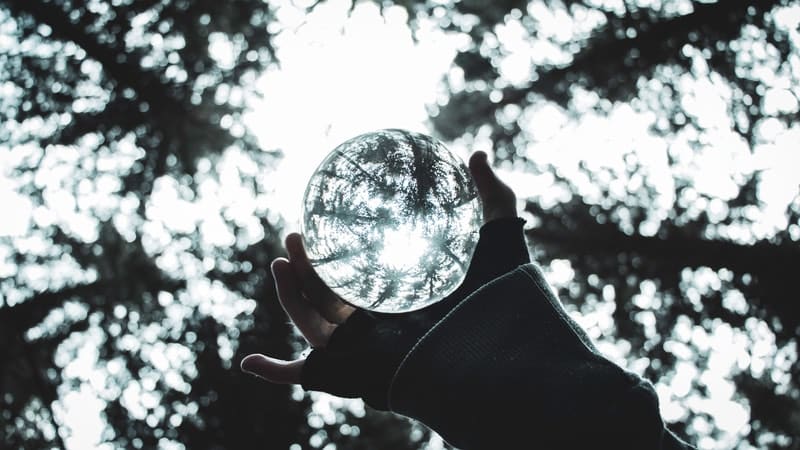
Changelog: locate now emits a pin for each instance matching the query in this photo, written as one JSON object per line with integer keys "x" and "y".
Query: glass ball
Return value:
{"x": 390, "y": 220}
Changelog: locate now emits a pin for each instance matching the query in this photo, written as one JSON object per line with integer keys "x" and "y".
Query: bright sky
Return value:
{"x": 333, "y": 85}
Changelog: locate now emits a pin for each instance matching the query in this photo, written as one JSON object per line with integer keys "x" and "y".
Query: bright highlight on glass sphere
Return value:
{"x": 390, "y": 220}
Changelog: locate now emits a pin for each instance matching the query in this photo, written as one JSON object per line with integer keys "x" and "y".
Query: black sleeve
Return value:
{"x": 497, "y": 364}
{"x": 508, "y": 368}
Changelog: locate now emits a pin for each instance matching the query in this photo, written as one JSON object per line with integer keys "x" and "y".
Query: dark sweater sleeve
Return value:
{"x": 508, "y": 368}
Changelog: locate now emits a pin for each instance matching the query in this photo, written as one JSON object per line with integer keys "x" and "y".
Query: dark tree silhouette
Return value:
{"x": 122, "y": 96}
{"x": 632, "y": 47}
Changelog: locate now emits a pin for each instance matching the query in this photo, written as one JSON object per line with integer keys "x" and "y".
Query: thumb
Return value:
{"x": 273, "y": 370}
{"x": 498, "y": 199}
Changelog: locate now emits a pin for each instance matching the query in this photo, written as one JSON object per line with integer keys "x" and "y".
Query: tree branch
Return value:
{"x": 33, "y": 310}
{"x": 146, "y": 84}
{"x": 684, "y": 251}
{"x": 607, "y": 54}
{"x": 773, "y": 267}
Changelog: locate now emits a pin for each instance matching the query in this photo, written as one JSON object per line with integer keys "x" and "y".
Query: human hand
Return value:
{"x": 356, "y": 351}
{"x": 466, "y": 366}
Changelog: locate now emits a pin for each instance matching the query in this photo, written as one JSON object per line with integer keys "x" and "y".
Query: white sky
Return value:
{"x": 333, "y": 85}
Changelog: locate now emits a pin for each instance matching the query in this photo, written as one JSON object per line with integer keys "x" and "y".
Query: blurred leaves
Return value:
{"x": 129, "y": 274}
{"x": 627, "y": 251}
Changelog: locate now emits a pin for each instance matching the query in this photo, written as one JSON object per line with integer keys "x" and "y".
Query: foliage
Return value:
{"x": 114, "y": 114}
{"x": 673, "y": 263}
{"x": 117, "y": 115}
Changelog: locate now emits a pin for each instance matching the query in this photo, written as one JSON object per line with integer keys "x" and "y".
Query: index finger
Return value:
{"x": 273, "y": 369}
{"x": 329, "y": 305}
{"x": 308, "y": 320}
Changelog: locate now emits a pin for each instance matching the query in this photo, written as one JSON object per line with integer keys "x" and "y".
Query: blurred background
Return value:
{"x": 153, "y": 154}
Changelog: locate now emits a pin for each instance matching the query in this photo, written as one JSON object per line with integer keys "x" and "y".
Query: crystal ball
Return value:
{"x": 390, "y": 220}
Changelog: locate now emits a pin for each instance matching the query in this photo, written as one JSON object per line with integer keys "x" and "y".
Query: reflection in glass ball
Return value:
{"x": 390, "y": 220}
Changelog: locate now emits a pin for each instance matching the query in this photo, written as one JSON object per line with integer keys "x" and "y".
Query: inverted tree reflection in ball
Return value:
{"x": 390, "y": 220}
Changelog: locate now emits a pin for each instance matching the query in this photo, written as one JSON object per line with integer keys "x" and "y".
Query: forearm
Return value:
{"x": 498, "y": 364}
{"x": 508, "y": 367}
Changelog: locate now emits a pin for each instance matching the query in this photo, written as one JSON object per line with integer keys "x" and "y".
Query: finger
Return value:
{"x": 498, "y": 199}
{"x": 329, "y": 305}
{"x": 308, "y": 320}
{"x": 274, "y": 370}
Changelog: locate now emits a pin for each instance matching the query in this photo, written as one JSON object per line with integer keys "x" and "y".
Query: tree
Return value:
{"x": 112, "y": 110}
{"x": 618, "y": 237}
{"x": 138, "y": 234}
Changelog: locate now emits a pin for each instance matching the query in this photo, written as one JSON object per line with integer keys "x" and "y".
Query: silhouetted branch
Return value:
{"x": 146, "y": 84}
{"x": 773, "y": 267}
{"x": 607, "y": 55}
{"x": 33, "y": 310}
{"x": 682, "y": 251}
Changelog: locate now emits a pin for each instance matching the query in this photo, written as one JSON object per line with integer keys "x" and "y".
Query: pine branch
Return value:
{"x": 33, "y": 310}
{"x": 122, "y": 70}
{"x": 759, "y": 258}
{"x": 607, "y": 54}
{"x": 772, "y": 267}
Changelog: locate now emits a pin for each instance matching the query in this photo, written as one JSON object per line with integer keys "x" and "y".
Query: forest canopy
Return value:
{"x": 653, "y": 145}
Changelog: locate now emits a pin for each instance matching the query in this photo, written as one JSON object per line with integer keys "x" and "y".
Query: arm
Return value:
{"x": 508, "y": 368}
{"x": 497, "y": 364}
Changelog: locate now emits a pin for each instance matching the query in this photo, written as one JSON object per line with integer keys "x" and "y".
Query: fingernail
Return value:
{"x": 243, "y": 366}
